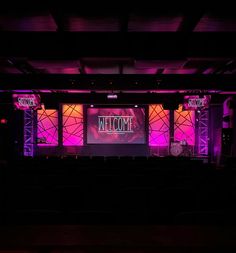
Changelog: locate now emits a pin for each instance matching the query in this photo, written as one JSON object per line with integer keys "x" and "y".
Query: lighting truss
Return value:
{"x": 203, "y": 132}
{"x": 28, "y": 133}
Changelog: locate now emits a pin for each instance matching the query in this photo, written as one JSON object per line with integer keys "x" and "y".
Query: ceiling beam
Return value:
{"x": 23, "y": 66}
{"x": 229, "y": 67}
{"x": 160, "y": 71}
{"x": 168, "y": 46}
{"x": 59, "y": 19}
{"x": 82, "y": 69}
{"x": 190, "y": 21}
{"x": 118, "y": 82}
{"x": 124, "y": 22}
{"x": 121, "y": 68}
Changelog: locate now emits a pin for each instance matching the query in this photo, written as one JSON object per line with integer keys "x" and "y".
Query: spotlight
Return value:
{"x": 91, "y": 105}
{"x": 135, "y": 106}
{"x": 3, "y": 121}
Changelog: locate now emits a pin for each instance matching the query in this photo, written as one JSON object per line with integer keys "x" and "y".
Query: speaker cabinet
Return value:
{"x": 227, "y": 141}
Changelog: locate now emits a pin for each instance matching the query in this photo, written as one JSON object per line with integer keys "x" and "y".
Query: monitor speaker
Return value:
{"x": 227, "y": 140}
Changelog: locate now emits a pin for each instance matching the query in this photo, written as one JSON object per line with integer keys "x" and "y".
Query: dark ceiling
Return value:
{"x": 61, "y": 47}
{"x": 66, "y": 39}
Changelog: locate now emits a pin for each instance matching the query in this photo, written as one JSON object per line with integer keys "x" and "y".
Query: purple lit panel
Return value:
{"x": 159, "y": 125}
{"x": 184, "y": 126}
{"x": 47, "y": 127}
{"x": 73, "y": 128}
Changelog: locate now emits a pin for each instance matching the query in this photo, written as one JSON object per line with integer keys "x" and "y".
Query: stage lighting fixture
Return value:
{"x": 135, "y": 106}
{"x": 3, "y": 121}
{"x": 91, "y": 105}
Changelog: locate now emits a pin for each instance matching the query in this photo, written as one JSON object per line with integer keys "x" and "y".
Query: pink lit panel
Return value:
{"x": 159, "y": 125}
{"x": 184, "y": 126}
{"x": 47, "y": 127}
{"x": 73, "y": 129}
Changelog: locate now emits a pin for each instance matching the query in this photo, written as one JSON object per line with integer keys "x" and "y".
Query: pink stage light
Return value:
{"x": 184, "y": 126}
{"x": 3, "y": 121}
{"x": 47, "y": 127}
{"x": 73, "y": 128}
{"x": 159, "y": 125}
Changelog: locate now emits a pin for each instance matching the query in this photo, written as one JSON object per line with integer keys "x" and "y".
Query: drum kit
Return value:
{"x": 180, "y": 148}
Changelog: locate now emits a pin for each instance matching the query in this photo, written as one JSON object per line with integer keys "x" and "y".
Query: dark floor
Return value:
{"x": 115, "y": 190}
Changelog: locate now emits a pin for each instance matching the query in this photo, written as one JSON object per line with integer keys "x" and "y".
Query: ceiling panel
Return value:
{"x": 9, "y": 70}
{"x": 36, "y": 23}
{"x": 133, "y": 70}
{"x": 154, "y": 23}
{"x": 63, "y": 70}
{"x": 180, "y": 71}
{"x": 92, "y": 24}
{"x": 159, "y": 63}
{"x": 216, "y": 23}
{"x": 54, "y": 63}
{"x": 102, "y": 70}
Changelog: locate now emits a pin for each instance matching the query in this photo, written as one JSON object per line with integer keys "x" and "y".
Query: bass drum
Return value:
{"x": 176, "y": 148}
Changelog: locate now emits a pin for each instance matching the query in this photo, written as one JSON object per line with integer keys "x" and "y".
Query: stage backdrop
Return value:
{"x": 47, "y": 133}
{"x": 73, "y": 129}
{"x": 184, "y": 126}
{"x": 113, "y": 126}
{"x": 159, "y": 126}
{"x": 116, "y": 126}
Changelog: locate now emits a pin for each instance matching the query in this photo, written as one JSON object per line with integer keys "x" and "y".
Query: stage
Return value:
{"x": 188, "y": 129}
{"x": 124, "y": 130}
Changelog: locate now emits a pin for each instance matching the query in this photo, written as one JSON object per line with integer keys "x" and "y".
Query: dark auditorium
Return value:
{"x": 117, "y": 128}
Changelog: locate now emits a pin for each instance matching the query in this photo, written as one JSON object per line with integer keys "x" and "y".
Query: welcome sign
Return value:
{"x": 116, "y": 126}
{"x": 195, "y": 102}
{"x": 26, "y": 101}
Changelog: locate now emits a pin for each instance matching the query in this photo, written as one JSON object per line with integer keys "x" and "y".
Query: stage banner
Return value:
{"x": 26, "y": 101}
{"x": 196, "y": 102}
